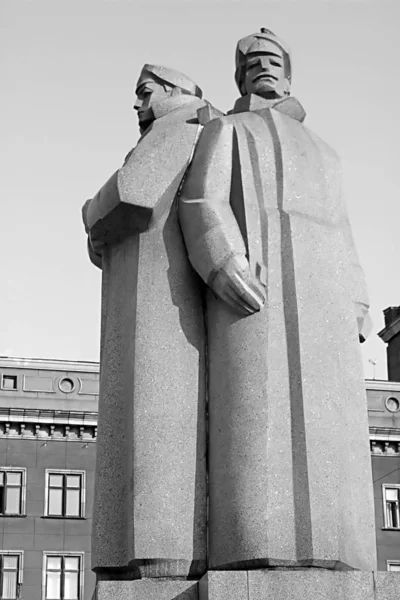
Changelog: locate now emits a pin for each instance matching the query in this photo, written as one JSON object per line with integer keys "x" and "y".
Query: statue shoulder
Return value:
{"x": 224, "y": 124}
{"x": 325, "y": 149}
{"x": 208, "y": 113}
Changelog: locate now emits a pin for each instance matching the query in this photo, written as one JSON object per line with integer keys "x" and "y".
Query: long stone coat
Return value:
{"x": 150, "y": 491}
{"x": 290, "y": 473}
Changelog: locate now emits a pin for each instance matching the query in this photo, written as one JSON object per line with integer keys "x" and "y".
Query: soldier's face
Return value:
{"x": 265, "y": 72}
{"x": 148, "y": 91}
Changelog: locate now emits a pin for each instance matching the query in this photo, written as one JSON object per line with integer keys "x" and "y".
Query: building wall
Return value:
{"x": 36, "y": 533}
{"x": 43, "y": 427}
{"x": 385, "y": 470}
{"x": 384, "y": 427}
{"x": 393, "y": 358}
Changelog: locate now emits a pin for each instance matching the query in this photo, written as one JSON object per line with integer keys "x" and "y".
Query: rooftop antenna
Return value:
{"x": 373, "y": 362}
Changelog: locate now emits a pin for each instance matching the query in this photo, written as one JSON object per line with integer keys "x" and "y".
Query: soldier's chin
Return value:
{"x": 265, "y": 88}
{"x": 144, "y": 124}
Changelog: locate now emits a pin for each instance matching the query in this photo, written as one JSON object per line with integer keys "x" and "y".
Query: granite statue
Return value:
{"x": 266, "y": 228}
{"x": 233, "y": 457}
{"x": 150, "y": 494}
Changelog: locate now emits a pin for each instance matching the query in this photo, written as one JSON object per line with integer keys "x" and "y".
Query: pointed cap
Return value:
{"x": 171, "y": 77}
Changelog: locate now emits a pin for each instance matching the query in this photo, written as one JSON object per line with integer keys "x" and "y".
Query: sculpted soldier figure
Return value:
{"x": 150, "y": 497}
{"x": 265, "y": 226}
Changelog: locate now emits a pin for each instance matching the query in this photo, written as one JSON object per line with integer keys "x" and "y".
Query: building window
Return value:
{"x": 63, "y": 576}
{"x": 65, "y": 493}
{"x": 391, "y": 505}
{"x": 12, "y": 491}
{"x": 393, "y": 565}
{"x": 9, "y": 382}
{"x": 10, "y": 574}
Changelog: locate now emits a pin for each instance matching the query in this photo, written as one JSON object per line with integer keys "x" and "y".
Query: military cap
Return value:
{"x": 254, "y": 43}
{"x": 171, "y": 77}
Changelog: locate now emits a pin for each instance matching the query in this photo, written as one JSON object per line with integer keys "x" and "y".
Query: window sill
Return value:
{"x": 22, "y": 516}
{"x": 390, "y": 528}
{"x": 62, "y": 517}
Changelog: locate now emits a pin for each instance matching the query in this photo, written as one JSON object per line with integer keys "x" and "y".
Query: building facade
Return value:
{"x": 48, "y": 418}
{"x": 384, "y": 428}
{"x": 48, "y": 428}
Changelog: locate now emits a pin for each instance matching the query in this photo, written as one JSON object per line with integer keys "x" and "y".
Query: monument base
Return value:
{"x": 147, "y": 589}
{"x": 307, "y": 584}
{"x": 260, "y": 584}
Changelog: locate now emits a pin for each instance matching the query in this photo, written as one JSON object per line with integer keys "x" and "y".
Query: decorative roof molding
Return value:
{"x": 382, "y": 385}
{"x": 55, "y": 417}
{"x": 52, "y": 364}
{"x": 45, "y": 432}
{"x": 384, "y": 433}
{"x": 387, "y": 333}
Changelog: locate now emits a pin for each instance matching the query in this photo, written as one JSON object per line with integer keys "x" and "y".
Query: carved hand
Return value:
{"x": 236, "y": 285}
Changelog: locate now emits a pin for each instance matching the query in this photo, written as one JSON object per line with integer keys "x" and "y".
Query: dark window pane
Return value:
{"x": 13, "y": 501}
{"x": 55, "y": 502}
{"x": 73, "y": 503}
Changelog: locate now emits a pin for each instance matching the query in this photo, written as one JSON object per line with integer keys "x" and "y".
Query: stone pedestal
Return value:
{"x": 146, "y": 589}
{"x": 308, "y": 584}
{"x": 260, "y": 584}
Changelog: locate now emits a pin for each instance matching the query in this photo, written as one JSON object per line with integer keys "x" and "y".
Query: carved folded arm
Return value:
{"x": 212, "y": 236}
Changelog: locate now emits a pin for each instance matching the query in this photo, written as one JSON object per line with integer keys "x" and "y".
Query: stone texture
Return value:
{"x": 146, "y": 590}
{"x": 315, "y": 584}
{"x": 387, "y": 586}
{"x": 221, "y": 585}
{"x": 289, "y": 454}
{"x": 307, "y": 584}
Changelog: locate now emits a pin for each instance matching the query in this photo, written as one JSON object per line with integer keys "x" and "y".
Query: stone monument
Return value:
{"x": 233, "y": 304}
{"x": 150, "y": 498}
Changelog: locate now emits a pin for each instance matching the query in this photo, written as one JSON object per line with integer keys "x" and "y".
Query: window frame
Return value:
{"x": 391, "y": 562}
{"x": 82, "y": 503}
{"x": 64, "y": 554}
{"x": 6, "y": 389}
{"x": 22, "y": 470}
{"x": 386, "y": 486}
{"x": 20, "y": 571}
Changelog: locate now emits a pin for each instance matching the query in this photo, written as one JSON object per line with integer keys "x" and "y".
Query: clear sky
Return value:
{"x": 68, "y": 69}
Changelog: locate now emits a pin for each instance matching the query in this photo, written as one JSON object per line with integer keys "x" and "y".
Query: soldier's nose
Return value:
{"x": 264, "y": 62}
{"x": 138, "y": 104}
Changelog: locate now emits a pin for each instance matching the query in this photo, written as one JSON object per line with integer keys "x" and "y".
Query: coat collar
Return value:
{"x": 288, "y": 106}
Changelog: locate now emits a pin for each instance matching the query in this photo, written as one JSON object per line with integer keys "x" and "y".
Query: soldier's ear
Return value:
{"x": 286, "y": 87}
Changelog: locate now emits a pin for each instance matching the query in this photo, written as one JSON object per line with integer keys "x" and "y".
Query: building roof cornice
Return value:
{"x": 50, "y": 364}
